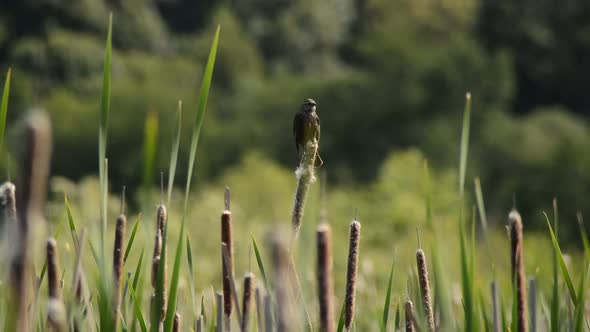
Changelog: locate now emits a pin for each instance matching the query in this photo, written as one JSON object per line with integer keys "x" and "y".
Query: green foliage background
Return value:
{"x": 388, "y": 76}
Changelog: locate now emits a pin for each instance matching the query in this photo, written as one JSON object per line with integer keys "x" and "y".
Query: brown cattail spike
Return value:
{"x": 409, "y": 316}
{"x": 280, "y": 265}
{"x": 52, "y": 269}
{"x": 519, "y": 278}
{"x": 352, "y": 268}
{"x": 161, "y": 221}
{"x": 176, "y": 323}
{"x": 118, "y": 264}
{"x": 425, "y": 288}
{"x": 227, "y": 267}
{"x": 324, "y": 275}
{"x": 247, "y": 301}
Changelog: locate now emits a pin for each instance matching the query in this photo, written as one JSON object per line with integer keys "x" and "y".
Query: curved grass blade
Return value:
{"x": 4, "y": 106}
{"x": 131, "y": 239}
{"x": 71, "y": 222}
{"x": 204, "y": 95}
{"x": 579, "y": 315}
{"x": 464, "y": 144}
{"x": 174, "y": 153}
{"x": 137, "y": 311}
{"x": 555, "y": 291}
{"x": 173, "y": 293}
{"x": 564, "y": 271}
{"x": 584, "y": 235}
{"x": 189, "y": 258}
{"x": 340, "y": 327}
{"x": 387, "y": 301}
{"x": 260, "y": 265}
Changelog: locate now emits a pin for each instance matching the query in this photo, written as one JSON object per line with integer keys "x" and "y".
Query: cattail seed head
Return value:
{"x": 409, "y": 316}
{"x": 351, "y": 271}
{"x": 324, "y": 275}
{"x": 56, "y": 315}
{"x": 227, "y": 267}
{"x": 118, "y": 264}
{"x": 425, "y": 288}
{"x": 247, "y": 301}
{"x": 8, "y": 202}
{"x": 517, "y": 260}
{"x": 156, "y": 257}
{"x": 305, "y": 175}
{"x": 52, "y": 269}
{"x": 161, "y": 218}
{"x": 176, "y": 323}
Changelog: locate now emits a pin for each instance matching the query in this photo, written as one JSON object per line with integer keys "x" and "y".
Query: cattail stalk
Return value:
{"x": 34, "y": 162}
{"x": 227, "y": 264}
{"x": 409, "y": 316}
{"x": 219, "y": 302}
{"x": 425, "y": 289}
{"x": 519, "y": 279}
{"x": 118, "y": 265}
{"x": 305, "y": 174}
{"x": 247, "y": 301}
{"x": 161, "y": 223}
{"x": 199, "y": 324}
{"x": 280, "y": 265}
{"x": 259, "y": 309}
{"x": 52, "y": 269}
{"x": 176, "y": 323}
{"x": 324, "y": 275}
{"x": 495, "y": 314}
{"x": 352, "y": 268}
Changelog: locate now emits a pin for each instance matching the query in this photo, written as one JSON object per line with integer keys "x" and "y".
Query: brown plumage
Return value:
{"x": 306, "y": 125}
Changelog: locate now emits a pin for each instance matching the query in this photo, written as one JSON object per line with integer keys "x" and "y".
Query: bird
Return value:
{"x": 306, "y": 125}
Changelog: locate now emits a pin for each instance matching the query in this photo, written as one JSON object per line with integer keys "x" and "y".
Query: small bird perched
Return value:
{"x": 306, "y": 125}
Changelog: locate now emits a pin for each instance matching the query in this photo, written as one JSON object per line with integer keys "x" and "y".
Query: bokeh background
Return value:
{"x": 389, "y": 77}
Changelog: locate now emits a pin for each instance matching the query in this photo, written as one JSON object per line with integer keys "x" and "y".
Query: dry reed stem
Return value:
{"x": 52, "y": 269}
{"x": 409, "y": 316}
{"x": 227, "y": 267}
{"x": 305, "y": 174}
{"x": 259, "y": 309}
{"x": 324, "y": 278}
{"x": 247, "y": 301}
{"x": 519, "y": 279}
{"x": 425, "y": 289}
{"x": 176, "y": 323}
{"x": 280, "y": 264}
{"x": 34, "y": 160}
{"x": 351, "y": 271}
{"x": 118, "y": 265}
{"x": 199, "y": 324}
{"x": 219, "y": 302}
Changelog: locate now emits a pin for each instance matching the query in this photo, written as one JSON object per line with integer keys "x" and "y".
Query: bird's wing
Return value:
{"x": 317, "y": 134}
{"x": 298, "y": 123}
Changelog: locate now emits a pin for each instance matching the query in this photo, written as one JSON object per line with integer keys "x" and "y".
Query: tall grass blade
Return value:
{"x": 580, "y": 311}
{"x": 173, "y": 293}
{"x": 191, "y": 278}
{"x": 387, "y": 301}
{"x": 205, "y": 85}
{"x": 137, "y": 311}
{"x": 174, "y": 152}
{"x": 4, "y": 106}
{"x": 466, "y": 281}
{"x": 150, "y": 147}
{"x": 564, "y": 271}
{"x": 464, "y": 144}
{"x": 555, "y": 287}
{"x": 71, "y": 222}
{"x": 584, "y": 235}
{"x": 131, "y": 238}
{"x": 260, "y": 265}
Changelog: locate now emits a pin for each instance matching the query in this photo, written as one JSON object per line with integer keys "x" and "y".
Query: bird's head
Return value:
{"x": 309, "y": 105}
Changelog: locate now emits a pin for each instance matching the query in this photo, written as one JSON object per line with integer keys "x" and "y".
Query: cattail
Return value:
{"x": 409, "y": 316}
{"x": 280, "y": 265}
{"x": 7, "y": 203}
{"x": 34, "y": 160}
{"x": 219, "y": 302}
{"x": 519, "y": 279}
{"x": 156, "y": 257}
{"x": 52, "y": 269}
{"x": 227, "y": 267}
{"x": 305, "y": 174}
{"x": 56, "y": 315}
{"x": 353, "y": 259}
{"x": 324, "y": 275}
{"x": 247, "y": 301}
{"x": 176, "y": 323}
{"x": 161, "y": 221}
{"x": 118, "y": 265}
{"x": 425, "y": 288}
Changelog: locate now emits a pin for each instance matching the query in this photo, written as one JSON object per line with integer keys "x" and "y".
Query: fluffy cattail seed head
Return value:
{"x": 517, "y": 260}
{"x": 52, "y": 269}
{"x": 409, "y": 316}
{"x": 351, "y": 271}
{"x": 425, "y": 288}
